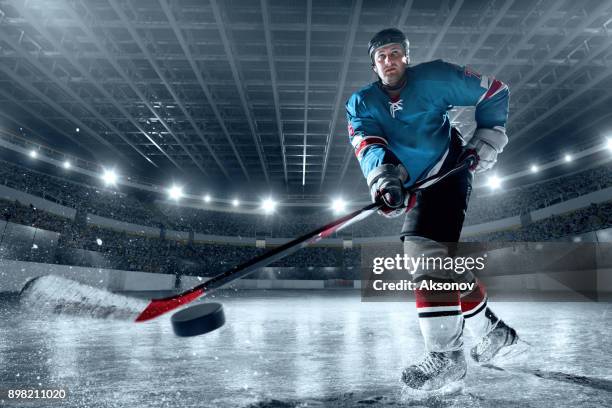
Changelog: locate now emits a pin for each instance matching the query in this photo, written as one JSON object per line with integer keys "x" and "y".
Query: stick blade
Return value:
{"x": 158, "y": 307}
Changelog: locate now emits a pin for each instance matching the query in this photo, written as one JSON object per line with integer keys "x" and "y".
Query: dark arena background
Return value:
{"x": 147, "y": 146}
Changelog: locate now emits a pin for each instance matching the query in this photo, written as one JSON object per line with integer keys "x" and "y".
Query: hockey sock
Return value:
{"x": 440, "y": 319}
{"x": 474, "y": 306}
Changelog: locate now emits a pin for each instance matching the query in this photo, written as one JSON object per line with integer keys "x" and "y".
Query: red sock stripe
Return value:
{"x": 433, "y": 298}
{"x": 474, "y": 298}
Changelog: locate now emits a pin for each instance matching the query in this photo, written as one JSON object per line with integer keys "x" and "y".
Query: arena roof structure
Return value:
{"x": 247, "y": 95}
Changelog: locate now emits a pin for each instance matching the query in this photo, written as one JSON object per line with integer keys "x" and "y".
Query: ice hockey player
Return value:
{"x": 401, "y": 132}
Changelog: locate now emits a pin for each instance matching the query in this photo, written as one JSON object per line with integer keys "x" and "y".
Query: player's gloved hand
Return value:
{"x": 469, "y": 154}
{"x": 487, "y": 144}
{"x": 386, "y": 183}
{"x": 486, "y": 155}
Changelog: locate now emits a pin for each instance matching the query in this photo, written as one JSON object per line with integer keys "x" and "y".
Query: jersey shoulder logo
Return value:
{"x": 395, "y": 107}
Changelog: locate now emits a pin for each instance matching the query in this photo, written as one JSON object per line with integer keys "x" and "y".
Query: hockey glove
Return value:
{"x": 487, "y": 144}
{"x": 386, "y": 183}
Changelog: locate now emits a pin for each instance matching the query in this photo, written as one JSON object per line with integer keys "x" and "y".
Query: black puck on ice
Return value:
{"x": 199, "y": 319}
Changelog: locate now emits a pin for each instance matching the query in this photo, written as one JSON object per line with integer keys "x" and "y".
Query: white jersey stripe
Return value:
{"x": 439, "y": 309}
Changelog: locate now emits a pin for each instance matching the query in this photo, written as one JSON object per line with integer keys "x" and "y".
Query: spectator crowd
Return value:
{"x": 290, "y": 223}
{"x": 84, "y": 245}
{"x": 87, "y": 245}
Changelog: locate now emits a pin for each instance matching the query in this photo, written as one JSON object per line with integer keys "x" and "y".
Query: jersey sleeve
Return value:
{"x": 466, "y": 87}
{"x": 367, "y": 137}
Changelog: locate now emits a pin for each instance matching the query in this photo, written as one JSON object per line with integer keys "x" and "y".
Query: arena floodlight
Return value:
{"x": 609, "y": 143}
{"x": 109, "y": 177}
{"x": 175, "y": 192}
{"x": 568, "y": 158}
{"x": 207, "y": 198}
{"x": 534, "y": 168}
{"x": 67, "y": 164}
{"x": 78, "y": 130}
{"x": 235, "y": 202}
{"x": 33, "y": 154}
{"x": 494, "y": 182}
{"x": 338, "y": 205}
{"x": 99, "y": 241}
{"x": 268, "y": 205}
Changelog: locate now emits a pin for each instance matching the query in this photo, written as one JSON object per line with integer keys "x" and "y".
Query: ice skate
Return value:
{"x": 437, "y": 370}
{"x": 500, "y": 343}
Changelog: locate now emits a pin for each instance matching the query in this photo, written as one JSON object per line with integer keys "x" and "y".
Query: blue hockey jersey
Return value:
{"x": 414, "y": 129}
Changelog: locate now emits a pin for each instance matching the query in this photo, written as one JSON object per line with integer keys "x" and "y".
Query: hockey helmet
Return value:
{"x": 385, "y": 37}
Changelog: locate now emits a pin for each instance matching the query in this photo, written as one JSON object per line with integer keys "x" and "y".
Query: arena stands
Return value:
{"x": 506, "y": 203}
{"x": 88, "y": 245}
{"x": 125, "y": 207}
{"x": 592, "y": 218}
{"x": 18, "y": 213}
{"x": 131, "y": 252}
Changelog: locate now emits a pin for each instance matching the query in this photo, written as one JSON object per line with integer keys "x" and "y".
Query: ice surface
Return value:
{"x": 55, "y": 294}
{"x": 299, "y": 348}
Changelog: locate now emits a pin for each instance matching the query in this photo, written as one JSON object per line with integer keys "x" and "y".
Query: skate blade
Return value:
{"x": 514, "y": 354}
{"x": 408, "y": 394}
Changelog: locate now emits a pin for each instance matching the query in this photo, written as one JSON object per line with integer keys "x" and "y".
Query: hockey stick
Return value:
{"x": 158, "y": 307}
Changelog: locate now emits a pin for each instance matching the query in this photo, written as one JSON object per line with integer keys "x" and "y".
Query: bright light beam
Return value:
{"x": 268, "y": 205}
{"x": 338, "y": 205}
{"x": 175, "y": 192}
{"x": 109, "y": 177}
{"x": 494, "y": 182}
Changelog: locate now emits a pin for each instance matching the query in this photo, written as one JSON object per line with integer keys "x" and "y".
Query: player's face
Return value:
{"x": 390, "y": 63}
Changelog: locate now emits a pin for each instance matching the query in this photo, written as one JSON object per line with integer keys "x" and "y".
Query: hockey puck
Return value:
{"x": 198, "y": 319}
